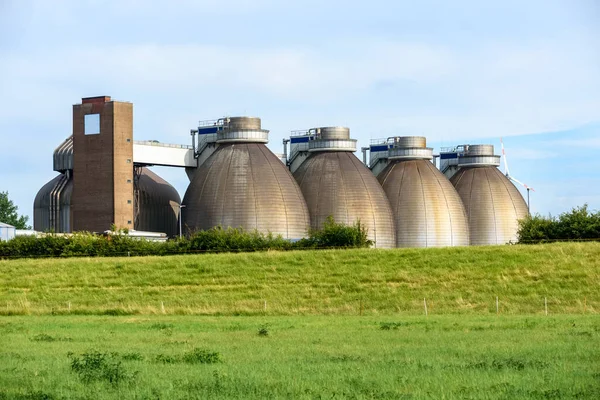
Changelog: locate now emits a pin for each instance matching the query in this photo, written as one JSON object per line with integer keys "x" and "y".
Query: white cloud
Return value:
{"x": 531, "y": 154}
{"x": 588, "y": 143}
{"x": 487, "y": 92}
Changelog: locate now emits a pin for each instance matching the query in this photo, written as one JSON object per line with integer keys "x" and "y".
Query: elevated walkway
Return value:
{"x": 150, "y": 152}
{"x": 145, "y": 153}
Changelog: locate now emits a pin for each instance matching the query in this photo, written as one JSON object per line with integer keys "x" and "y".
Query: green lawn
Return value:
{"x": 462, "y": 280}
{"x": 414, "y": 357}
{"x": 305, "y": 324}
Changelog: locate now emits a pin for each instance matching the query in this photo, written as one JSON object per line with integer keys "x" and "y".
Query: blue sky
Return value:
{"x": 453, "y": 71}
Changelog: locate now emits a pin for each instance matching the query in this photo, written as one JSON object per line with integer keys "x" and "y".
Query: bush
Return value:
{"x": 578, "y": 224}
{"x": 217, "y": 239}
{"x": 201, "y": 356}
{"x": 234, "y": 239}
{"x": 96, "y": 366}
{"x": 335, "y": 234}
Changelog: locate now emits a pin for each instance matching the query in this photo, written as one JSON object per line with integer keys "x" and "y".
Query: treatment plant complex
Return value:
{"x": 399, "y": 195}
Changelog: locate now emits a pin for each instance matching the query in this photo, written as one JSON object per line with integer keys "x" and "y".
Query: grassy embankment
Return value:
{"x": 369, "y": 357}
{"x": 344, "y": 282}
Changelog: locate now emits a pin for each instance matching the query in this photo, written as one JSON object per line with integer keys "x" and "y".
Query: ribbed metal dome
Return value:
{"x": 246, "y": 185}
{"x": 493, "y": 204}
{"x": 427, "y": 209}
{"x": 157, "y": 204}
{"x": 336, "y": 183}
{"x": 52, "y": 205}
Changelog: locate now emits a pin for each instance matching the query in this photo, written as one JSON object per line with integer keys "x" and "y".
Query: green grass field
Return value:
{"x": 337, "y": 282}
{"x": 337, "y": 324}
{"x": 416, "y": 357}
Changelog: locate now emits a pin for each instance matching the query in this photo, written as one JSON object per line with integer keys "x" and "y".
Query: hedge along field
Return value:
{"x": 300, "y": 357}
{"x": 526, "y": 278}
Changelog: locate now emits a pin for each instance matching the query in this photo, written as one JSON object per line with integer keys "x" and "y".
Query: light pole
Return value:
{"x": 181, "y": 207}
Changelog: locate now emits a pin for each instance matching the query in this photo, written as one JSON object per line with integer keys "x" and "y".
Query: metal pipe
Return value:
{"x": 181, "y": 207}
{"x": 193, "y": 132}
{"x": 285, "y": 153}
{"x": 364, "y": 151}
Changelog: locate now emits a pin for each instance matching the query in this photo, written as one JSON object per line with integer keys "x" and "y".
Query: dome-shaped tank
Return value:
{"x": 243, "y": 184}
{"x": 493, "y": 204}
{"x": 52, "y": 205}
{"x": 427, "y": 209}
{"x": 335, "y": 183}
{"x": 157, "y": 204}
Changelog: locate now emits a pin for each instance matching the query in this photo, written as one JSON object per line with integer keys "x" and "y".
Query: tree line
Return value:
{"x": 578, "y": 224}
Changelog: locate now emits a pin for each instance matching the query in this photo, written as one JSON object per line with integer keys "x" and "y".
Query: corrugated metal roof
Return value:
{"x": 3, "y": 225}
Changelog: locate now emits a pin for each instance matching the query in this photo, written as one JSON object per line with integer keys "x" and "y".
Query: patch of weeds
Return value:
{"x": 478, "y": 328}
{"x": 345, "y": 358}
{"x": 166, "y": 329}
{"x": 96, "y": 366}
{"x": 530, "y": 324}
{"x": 546, "y": 394}
{"x": 220, "y": 378}
{"x": 43, "y": 337}
{"x": 424, "y": 365}
{"x": 508, "y": 363}
{"x": 195, "y": 356}
{"x": 387, "y": 326}
{"x": 201, "y": 356}
{"x": 167, "y": 359}
{"x": 10, "y": 327}
{"x": 589, "y": 392}
{"x": 263, "y": 331}
{"x": 582, "y": 333}
{"x": 233, "y": 328}
{"x": 502, "y": 387}
{"x": 132, "y": 356}
{"x": 28, "y": 396}
{"x": 161, "y": 326}
{"x": 12, "y": 354}
{"x": 175, "y": 342}
{"x": 116, "y": 312}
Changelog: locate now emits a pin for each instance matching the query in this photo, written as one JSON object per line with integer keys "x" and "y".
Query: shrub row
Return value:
{"x": 213, "y": 240}
{"x": 578, "y": 224}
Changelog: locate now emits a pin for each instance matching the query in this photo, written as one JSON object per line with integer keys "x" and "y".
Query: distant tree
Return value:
{"x": 9, "y": 215}
{"x": 578, "y": 224}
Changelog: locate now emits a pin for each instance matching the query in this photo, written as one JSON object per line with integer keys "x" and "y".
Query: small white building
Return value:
{"x": 7, "y": 231}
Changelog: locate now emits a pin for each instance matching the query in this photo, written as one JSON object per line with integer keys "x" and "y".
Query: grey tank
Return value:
{"x": 492, "y": 202}
{"x": 335, "y": 183}
{"x": 52, "y": 205}
{"x": 427, "y": 209}
{"x": 157, "y": 204}
{"x": 243, "y": 184}
{"x": 156, "y": 201}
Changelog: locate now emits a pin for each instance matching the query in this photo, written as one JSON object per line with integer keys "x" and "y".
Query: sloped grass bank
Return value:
{"x": 564, "y": 277}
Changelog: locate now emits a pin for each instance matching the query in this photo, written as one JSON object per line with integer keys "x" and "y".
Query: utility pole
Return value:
{"x": 181, "y": 207}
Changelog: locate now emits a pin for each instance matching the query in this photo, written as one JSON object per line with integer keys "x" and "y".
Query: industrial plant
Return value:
{"x": 239, "y": 182}
{"x": 399, "y": 195}
{"x": 427, "y": 210}
{"x": 335, "y": 183}
{"x": 493, "y": 204}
